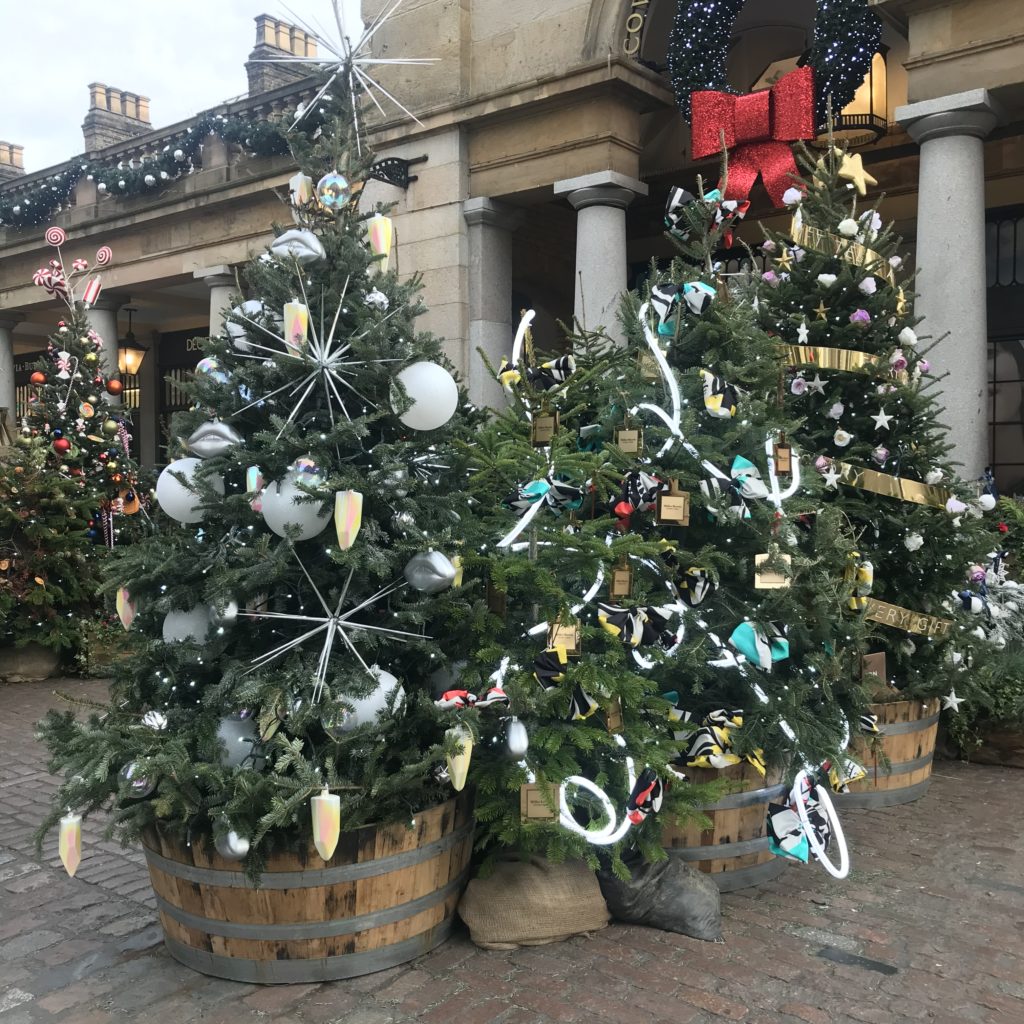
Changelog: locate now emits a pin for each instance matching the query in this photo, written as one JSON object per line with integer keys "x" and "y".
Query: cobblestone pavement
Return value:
{"x": 933, "y": 915}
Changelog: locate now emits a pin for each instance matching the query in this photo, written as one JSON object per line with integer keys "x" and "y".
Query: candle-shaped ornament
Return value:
{"x": 296, "y": 325}
{"x": 70, "y": 842}
{"x": 458, "y": 763}
{"x": 254, "y": 486}
{"x": 326, "y": 822}
{"x": 300, "y": 189}
{"x": 348, "y": 517}
{"x": 379, "y": 233}
{"x": 125, "y": 607}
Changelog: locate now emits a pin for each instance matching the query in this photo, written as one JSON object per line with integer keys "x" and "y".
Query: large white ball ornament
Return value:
{"x": 191, "y": 625}
{"x": 434, "y": 394}
{"x": 182, "y": 501}
{"x": 366, "y": 709}
{"x": 241, "y": 741}
{"x": 286, "y": 505}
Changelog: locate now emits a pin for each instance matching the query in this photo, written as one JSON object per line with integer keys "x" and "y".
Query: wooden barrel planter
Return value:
{"x": 734, "y": 850}
{"x": 908, "y": 729}
{"x": 388, "y": 894}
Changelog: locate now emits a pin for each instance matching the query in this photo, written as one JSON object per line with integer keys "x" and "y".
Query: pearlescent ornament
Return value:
{"x": 430, "y": 572}
{"x": 192, "y": 625}
{"x": 125, "y": 607}
{"x": 516, "y": 738}
{"x": 458, "y": 764}
{"x": 913, "y": 541}
{"x": 365, "y": 710}
{"x": 296, "y": 325}
{"x": 841, "y": 438}
{"x": 181, "y": 501}
{"x": 240, "y": 739}
{"x": 333, "y": 190}
{"x": 434, "y": 395}
{"x": 210, "y": 367}
{"x": 326, "y": 810}
{"x": 300, "y": 245}
{"x": 300, "y": 189}
{"x": 348, "y": 517}
{"x": 69, "y": 842}
{"x": 379, "y": 233}
{"x": 231, "y": 846}
{"x": 138, "y": 786}
{"x": 286, "y": 506}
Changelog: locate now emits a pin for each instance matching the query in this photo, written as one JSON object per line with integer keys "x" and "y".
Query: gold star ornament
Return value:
{"x": 785, "y": 260}
{"x": 852, "y": 169}
{"x": 822, "y": 310}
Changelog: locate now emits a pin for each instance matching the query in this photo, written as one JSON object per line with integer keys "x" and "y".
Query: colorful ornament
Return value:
{"x": 125, "y": 607}
{"x": 458, "y": 764}
{"x": 114, "y": 387}
{"x": 38, "y": 378}
{"x": 348, "y": 517}
{"x": 379, "y": 233}
{"x": 70, "y": 842}
{"x": 296, "y": 325}
{"x": 326, "y": 808}
{"x": 332, "y": 190}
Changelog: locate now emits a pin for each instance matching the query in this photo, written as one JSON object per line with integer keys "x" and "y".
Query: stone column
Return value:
{"x": 951, "y": 258}
{"x": 103, "y": 318}
{"x": 600, "y": 200}
{"x": 221, "y": 282}
{"x": 491, "y": 326}
{"x": 8, "y": 321}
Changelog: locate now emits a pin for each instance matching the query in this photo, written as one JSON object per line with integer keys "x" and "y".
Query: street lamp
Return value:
{"x": 129, "y": 352}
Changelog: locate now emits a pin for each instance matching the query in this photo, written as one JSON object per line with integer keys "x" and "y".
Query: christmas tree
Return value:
{"x": 47, "y": 584}
{"x": 75, "y": 402}
{"x": 838, "y": 299}
{"x": 284, "y": 663}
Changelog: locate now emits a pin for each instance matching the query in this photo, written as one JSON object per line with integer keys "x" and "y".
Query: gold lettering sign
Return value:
{"x": 537, "y": 802}
{"x": 613, "y": 716}
{"x": 622, "y": 581}
{"x": 635, "y": 27}
{"x": 673, "y": 507}
{"x": 906, "y": 619}
{"x": 892, "y": 486}
{"x": 629, "y": 441}
{"x": 824, "y": 358}
{"x": 567, "y": 637}
{"x": 544, "y": 427}
{"x": 783, "y": 458}
{"x": 809, "y": 237}
{"x": 873, "y": 664}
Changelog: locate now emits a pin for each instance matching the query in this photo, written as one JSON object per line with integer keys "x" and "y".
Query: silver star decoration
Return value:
{"x": 333, "y": 625}
{"x": 349, "y": 60}
{"x": 802, "y": 332}
{"x": 817, "y": 384}
{"x": 881, "y": 419}
{"x": 831, "y": 478}
{"x": 323, "y": 357}
{"x": 951, "y": 702}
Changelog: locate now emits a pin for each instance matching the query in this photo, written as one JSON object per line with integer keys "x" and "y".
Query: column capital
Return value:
{"x": 973, "y": 113}
{"x": 601, "y": 188}
{"x": 111, "y": 301}
{"x": 482, "y": 210}
{"x": 221, "y": 276}
{"x": 10, "y": 320}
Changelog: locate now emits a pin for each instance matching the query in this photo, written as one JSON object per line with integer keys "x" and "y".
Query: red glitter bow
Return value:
{"x": 758, "y": 129}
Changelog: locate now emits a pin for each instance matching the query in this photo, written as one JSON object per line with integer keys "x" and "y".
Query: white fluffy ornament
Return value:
{"x": 191, "y": 625}
{"x": 848, "y": 228}
{"x": 841, "y": 438}
{"x": 836, "y": 411}
{"x": 933, "y": 476}
{"x": 792, "y": 197}
{"x": 913, "y": 541}
{"x": 986, "y": 502}
{"x": 868, "y": 286}
{"x": 826, "y": 280}
{"x": 376, "y": 299}
{"x": 908, "y": 337}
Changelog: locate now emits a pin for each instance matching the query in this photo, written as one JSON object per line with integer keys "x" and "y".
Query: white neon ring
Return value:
{"x": 609, "y": 833}
{"x": 825, "y": 803}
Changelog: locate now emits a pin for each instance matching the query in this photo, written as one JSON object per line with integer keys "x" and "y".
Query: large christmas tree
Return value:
{"x": 838, "y": 299}
{"x": 294, "y": 608}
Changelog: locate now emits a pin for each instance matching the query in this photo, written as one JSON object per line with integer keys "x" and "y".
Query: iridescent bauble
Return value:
{"x": 138, "y": 786}
{"x": 333, "y": 190}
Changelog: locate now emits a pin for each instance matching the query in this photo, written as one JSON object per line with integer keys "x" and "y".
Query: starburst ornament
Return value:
{"x": 348, "y": 57}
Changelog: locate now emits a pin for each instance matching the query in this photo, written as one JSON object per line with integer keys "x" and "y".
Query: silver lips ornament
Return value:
{"x": 430, "y": 572}
{"x": 214, "y": 437}
{"x": 298, "y": 244}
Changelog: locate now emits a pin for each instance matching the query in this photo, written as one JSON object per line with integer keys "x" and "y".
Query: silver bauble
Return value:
{"x": 517, "y": 738}
{"x": 155, "y": 720}
{"x": 231, "y": 846}
{"x": 430, "y": 572}
{"x": 298, "y": 244}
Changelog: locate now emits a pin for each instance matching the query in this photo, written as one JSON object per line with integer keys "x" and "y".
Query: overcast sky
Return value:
{"x": 186, "y": 56}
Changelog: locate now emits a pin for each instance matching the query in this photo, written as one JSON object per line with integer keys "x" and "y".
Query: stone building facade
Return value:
{"x": 548, "y": 138}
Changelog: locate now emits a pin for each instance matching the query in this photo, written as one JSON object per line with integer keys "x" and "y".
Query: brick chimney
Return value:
{"x": 276, "y": 39}
{"x": 114, "y": 116}
{"x": 11, "y": 163}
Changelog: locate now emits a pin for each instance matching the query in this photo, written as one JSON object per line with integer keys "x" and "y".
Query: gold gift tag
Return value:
{"x": 621, "y": 584}
{"x": 673, "y": 506}
{"x": 629, "y": 440}
{"x": 497, "y": 600}
{"x": 613, "y": 716}
{"x": 532, "y": 803}
{"x": 873, "y": 664}
{"x": 545, "y": 426}
{"x": 565, "y": 636}
{"x": 783, "y": 458}
{"x": 769, "y": 579}
{"x": 648, "y": 365}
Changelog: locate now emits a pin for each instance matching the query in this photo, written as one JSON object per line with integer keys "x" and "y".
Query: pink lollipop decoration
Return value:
{"x": 55, "y": 236}
{"x": 104, "y": 255}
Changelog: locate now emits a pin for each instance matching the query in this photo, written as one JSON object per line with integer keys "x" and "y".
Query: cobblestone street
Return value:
{"x": 929, "y": 927}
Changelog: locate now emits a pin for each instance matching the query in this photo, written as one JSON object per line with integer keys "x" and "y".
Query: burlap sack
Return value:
{"x": 532, "y": 902}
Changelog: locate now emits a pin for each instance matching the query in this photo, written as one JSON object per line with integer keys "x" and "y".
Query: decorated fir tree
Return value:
{"x": 838, "y": 299}
{"x": 294, "y": 608}
{"x": 47, "y": 584}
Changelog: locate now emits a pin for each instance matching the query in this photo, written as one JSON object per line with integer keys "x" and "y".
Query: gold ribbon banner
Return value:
{"x": 847, "y": 359}
{"x": 808, "y": 237}
{"x": 892, "y": 486}
{"x": 907, "y": 620}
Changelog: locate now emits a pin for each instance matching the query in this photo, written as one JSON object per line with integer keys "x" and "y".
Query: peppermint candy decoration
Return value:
{"x": 80, "y": 266}
{"x": 55, "y": 236}
{"x": 104, "y": 254}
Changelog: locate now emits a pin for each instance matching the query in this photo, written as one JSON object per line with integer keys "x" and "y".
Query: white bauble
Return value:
{"x": 285, "y": 504}
{"x": 986, "y": 502}
{"x": 191, "y": 625}
{"x": 181, "y": 501}
{"x": 434, "y": 394}
{"x": 225, "y": 615}
{"x": 366, "y": 709}
{"x": 516, "y": 738}
{"x": 240, "y": 738}
{"x": 239, "y": 333}
{"x": 231, "y": 846}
